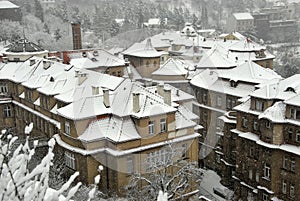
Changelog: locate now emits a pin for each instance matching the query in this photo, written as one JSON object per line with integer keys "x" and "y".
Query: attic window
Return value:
{"x": 233, "y": 83}
{"x": 94, "y": 59}
{"x": 291, "y": 89}
{"x": 51, "y": 79}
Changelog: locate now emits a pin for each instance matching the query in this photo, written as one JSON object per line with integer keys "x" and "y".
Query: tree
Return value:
{"x": 57, "y": 34}
{"x": 10, "y": 31}
{"x": 20, "y": 183}
{"x": 38, "y": 10}
{"x": 46, "y": 29}
{"x": 169, "y": 172}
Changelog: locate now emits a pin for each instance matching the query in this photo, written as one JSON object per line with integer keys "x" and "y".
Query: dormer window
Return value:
{"x": 294, "y": 113}
{"x": 291, "y": 89}
{"x": 259, "y": 105}
{"x": 233, "y": 83}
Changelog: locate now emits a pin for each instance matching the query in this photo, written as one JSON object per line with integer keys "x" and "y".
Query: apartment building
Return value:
{"x": 267, "y": 140}
{"x": 96, "y": 119}
{"x": 217, "y": 92}
{"x": 240, "y": 22}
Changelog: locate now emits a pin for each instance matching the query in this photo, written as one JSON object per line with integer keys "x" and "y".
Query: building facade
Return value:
{"x": 267, "y": 140}
{"x": 218, "y": 91}
{"x": 96, "y": 119}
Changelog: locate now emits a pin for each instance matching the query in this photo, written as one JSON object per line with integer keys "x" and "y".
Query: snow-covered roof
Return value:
{"x": 23, "y": 45}
{"x": 249, "y": 72}
{"x": 143, "y": 50}
{"x": 281, "y": 89}
{"x": 177, "y": 95}
{"x": 112, "y": 128}
{"x": 236, "y": 34}
{"x": 217, "y": 57}
{"x": 7, "y": 4}
{"x": 243, "y": 16}
{"x": 95, "y": 59}
{"x": 172, "y": 67}
{"x": 275, "y": 113}
{"x": 246, "y": 76}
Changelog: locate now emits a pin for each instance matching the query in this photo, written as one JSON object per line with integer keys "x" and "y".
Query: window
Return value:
{"x": 147, "y": 64}
{"x": 258, "y": 105}
{"x": 298, "y": 136}
{"x": 155, "y": 64}
{"x": 151, "y": 127}
{"x": 129, "y": 164}
{"x": 290, "y": 133}
{"x": 250, "y": 174}
{"x": 285, "y": 162}
{"x": 219, "y": 101}
{"x": 251, "y": 151}
{"x": 295, "y": 114}
{"x": 218, "y": 158}
{"x": 204, "y": 116}
{"x": 265, "y": 197}
{"x": 67, "y": 128}
{"x": 7, "y": 111}
{"x": 292, "y": 190}
{"x": 233, "y": 83}
{"x": 70, "y": 160}
{"x": 163, "y": 125}
{"x": 267, "y": 170}
{"x": 4, "y": 88}
{"x": 255, "y": 125}
{"x": 257, "y": 177}
{"x": 119, "y": 74}
{"x": 204, "y": 98}
{"x": 244, "y": 122}
{"x": 268, "y": 124}
{"x": 283, "y": 186}
{"x": 228, "y": 104}
{"x": 293, "y": 165}
{"x": 184, "y": 150}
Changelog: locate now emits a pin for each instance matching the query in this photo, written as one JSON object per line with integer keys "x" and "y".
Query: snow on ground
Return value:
{"x": 211, "y": 180}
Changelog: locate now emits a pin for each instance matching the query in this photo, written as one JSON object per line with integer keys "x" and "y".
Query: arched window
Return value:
{"x": 155, "y": 64}
{"x": 147, "y": 64}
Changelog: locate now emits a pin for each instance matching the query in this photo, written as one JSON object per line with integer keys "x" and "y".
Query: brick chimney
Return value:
{"x": 76, "y": 32}
{"x": 136, "y": 102}
{"x": 106, "y": 101}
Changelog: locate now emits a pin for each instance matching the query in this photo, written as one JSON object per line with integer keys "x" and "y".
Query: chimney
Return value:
{"x": 95, "y": 90}
{"x": 46, "y": 64}
{"x": 95, "y": 53}
{"x": 160, "y": 89}
{"x": 106, "y": 97}
{"x": 76, "y": 32}
{"x": 136, "y": 102}
{"x": 167, "y": 96}
{"x": 76, "y": 73}
{"x": 5, "y": 60}
{"x": 81, "y": 78}
{"x": 31, "y": 62}
{"x": 148, "y": 83}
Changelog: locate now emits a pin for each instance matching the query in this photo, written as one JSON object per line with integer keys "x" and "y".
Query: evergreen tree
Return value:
{"x": 46, "y": 29}
{"x": 38, "y": 10}
{"x": 204, "y": 17}
{"x": 57, "y": 34}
